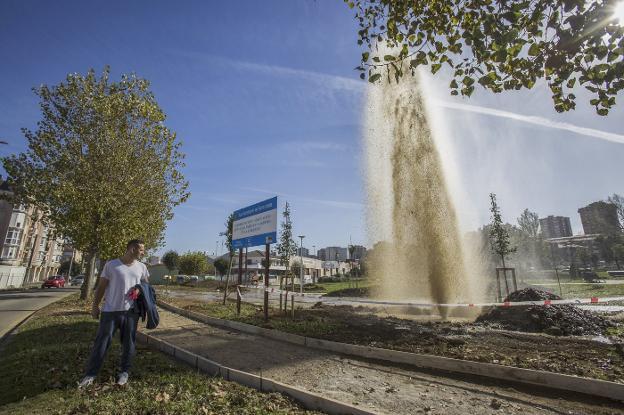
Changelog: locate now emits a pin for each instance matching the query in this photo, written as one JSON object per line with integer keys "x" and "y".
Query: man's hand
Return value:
{"x": 95, "y": 311}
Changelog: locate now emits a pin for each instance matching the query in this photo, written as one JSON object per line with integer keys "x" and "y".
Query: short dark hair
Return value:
{"x": 134, "y": 242}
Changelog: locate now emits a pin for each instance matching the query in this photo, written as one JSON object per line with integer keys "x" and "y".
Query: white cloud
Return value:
{"x": 535, "y": 120}
{"x": 331, "y": 203}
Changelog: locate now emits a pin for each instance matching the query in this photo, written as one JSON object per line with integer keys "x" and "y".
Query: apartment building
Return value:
{"x": 600, "y": 218}
{"x": 555, "y": 227}
{"x": 30, "y": 250}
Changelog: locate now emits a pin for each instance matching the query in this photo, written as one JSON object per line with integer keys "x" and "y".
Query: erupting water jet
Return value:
{"x": 409, "y": 207}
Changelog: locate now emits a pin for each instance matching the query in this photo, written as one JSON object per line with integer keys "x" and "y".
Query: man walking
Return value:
{"x": 116, "y": 285}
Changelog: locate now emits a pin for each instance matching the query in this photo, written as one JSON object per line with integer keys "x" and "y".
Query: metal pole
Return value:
{"x": 301, "y": 269}
{"x": 240, "y": 278}
{"x": 246, "y": 273}
{"x": 552, "y": 256}
{"x": 266, "y": 282}
{"x": 71, "y": 262}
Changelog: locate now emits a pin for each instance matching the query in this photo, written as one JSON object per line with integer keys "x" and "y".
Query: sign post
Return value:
{"x": 256, "y": 225}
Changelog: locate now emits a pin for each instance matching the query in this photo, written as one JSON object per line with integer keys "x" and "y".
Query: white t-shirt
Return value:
{"x": 121, "y": 278}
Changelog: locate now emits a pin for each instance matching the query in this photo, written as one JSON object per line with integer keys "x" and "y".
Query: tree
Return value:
{"x": 618, "y": 201}
{"x": 295, "y": 268}
{"x": 193, "y": 263}
{"x": 287, "y": 246}
{"x": 229, "y": 226}
{"x": 501, "y": 45}
{"x": 531, "y": 241}
{"x": 171, "y": 259}
{"x": 618, "y": 254}
{"x": 102, "y": 165}
{"x": 499, "y": 235}
{"x": 76, "y": 268}
{"x": 221, "y": 265}
{"x": 529, "y": 223}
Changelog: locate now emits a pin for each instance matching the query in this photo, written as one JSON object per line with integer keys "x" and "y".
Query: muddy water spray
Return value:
{"x": 408, "y": 202}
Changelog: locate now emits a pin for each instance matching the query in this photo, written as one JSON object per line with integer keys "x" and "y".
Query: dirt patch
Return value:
{"x": 531, "y": 294}
{"x": 468, "y": 341}
{"x": 558, "y": 320}
{"x": 382, "y": 388}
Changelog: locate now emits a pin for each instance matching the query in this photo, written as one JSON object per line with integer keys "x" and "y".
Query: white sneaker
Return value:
{"x": 86, "y": 381}
{"x": 123, "y": 378}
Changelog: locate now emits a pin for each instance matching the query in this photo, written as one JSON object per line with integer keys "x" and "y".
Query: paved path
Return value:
{"x": 15, "y": 306}
{"x": 384, "y": 388}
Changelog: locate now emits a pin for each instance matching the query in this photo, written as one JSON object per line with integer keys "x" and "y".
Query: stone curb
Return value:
{"x": 595, "y": 387}
{"x": 308, "y": 399}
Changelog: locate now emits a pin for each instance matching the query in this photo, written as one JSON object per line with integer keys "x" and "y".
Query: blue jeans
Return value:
{"x": 126, "y": 322}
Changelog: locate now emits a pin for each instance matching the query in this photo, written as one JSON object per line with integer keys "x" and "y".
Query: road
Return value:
{"x": 15, "y": 306}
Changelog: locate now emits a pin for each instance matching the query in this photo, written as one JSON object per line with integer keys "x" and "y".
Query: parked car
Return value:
{"x": 77, "y": 280}
{"x": 181, "y": 279}
{"x": 54, "y": 281}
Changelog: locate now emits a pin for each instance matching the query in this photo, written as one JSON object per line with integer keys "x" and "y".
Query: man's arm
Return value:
{"x": 99, "y": 294}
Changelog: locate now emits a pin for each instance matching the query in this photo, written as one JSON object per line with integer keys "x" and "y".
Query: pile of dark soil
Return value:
{"x": 558, "y": 320}
{"x": 531, "y": 294}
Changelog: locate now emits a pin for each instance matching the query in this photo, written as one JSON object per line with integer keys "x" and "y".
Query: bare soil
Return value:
{"x": 382, "y": 388}
{"x": 574, "y": 355}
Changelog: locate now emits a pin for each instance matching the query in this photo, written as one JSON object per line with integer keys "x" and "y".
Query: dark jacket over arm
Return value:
{"x": 146, "y": 305}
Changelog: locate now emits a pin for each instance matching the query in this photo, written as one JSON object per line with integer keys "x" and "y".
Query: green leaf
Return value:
{"x": 365, "y": 56}
{"x": 435, "y": 67}
{"x": 374, "y": 78}
{"x": 389, "y": 58}
{"x": 534, "y": 49}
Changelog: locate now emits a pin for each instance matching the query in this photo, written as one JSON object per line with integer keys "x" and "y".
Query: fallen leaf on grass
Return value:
{"x": 162, "y": 397}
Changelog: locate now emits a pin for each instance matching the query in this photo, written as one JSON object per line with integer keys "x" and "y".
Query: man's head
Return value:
{"x": 136, "y": 248}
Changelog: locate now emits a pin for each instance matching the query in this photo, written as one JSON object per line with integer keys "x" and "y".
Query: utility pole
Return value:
{"x": 301, "y": 269}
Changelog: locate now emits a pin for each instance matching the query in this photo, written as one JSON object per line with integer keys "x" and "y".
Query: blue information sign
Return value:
{"x": 255, "y": 225}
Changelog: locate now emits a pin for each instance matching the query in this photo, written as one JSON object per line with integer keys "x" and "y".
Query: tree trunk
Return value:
{"x": 227, "y": 280}
{"x": 87, "y": 287}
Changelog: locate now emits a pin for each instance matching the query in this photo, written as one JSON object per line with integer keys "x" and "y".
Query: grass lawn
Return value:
{"x": 585, "y": 290}
{"x": 328, "y": 287}
{"x": 39, "y": 369}
{"x": 306, "y": 323}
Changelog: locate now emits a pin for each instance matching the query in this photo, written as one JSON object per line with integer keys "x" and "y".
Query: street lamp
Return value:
{"x": 301, "y": 269}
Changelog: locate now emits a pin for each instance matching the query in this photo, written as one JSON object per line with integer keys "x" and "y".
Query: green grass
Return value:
{"x": 336, "y": 286}
{"x": 39, "y": 369}
{"x": 585, "y": 290}
{"x": 305, "y": 322}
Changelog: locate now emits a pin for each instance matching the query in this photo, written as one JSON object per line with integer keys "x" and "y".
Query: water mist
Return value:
{"x": 409, "y": 208}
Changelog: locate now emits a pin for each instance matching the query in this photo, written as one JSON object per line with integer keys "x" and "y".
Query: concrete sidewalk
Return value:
{"x": 369, "y": 385}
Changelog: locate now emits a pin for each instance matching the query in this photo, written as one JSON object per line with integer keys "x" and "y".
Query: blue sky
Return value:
{"x": 266, "y": 102}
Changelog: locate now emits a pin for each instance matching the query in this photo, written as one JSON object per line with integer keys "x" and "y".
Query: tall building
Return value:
{"x": 333, "y": 253}
{"x": 303, "y": 252}
{"x": 600, "y": 218}
{"x": 555, "y": 227}
{"x": 359, "y": 252}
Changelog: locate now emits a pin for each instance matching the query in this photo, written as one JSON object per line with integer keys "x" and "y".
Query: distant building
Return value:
{"x": 555, "y": 227}
{"x": 153, "y": 260}
{"x": 333, "y": 253}
{"x": 359, "y": 252}
{"x": 600, "y": 218}
{"x": 303, "y": 252}
{"x": 30, "y": 250}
